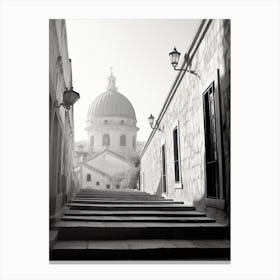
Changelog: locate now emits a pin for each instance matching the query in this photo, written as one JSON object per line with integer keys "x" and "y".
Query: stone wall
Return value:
{"x": 62, "y": 180}
{"x": 95, "y": 177}
{"x": 186, "y": 111}
{"x": 114, "y": 132}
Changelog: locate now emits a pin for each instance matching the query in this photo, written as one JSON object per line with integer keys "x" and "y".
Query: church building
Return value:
{"x": 109, "y": 158}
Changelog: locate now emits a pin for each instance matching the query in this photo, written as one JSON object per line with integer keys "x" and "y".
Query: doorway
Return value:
{"x": 211, "y": 152}
{"x": 142, "y": 178}
{"x": 163, "y": 168}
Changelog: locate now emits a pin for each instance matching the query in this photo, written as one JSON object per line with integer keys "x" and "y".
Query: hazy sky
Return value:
{"x": 137, "y": 50}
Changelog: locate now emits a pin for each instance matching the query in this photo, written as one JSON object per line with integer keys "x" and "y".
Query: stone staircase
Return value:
{"x": 133, "y": 225}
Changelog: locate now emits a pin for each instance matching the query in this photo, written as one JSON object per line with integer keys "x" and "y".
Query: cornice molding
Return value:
{"x": 188, "y": 57}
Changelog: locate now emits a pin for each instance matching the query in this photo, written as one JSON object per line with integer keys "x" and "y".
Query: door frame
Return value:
{"x": 216, "y": 92}
{"x": 163, "y": 144}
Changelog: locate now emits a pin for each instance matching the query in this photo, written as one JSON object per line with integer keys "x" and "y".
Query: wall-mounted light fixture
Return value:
{"x": 70, "y": 97}
{"x": 174, "y": 58}
{"x": 151, "y": 121}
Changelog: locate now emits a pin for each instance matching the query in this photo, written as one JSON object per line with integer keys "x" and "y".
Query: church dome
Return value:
{"x": 111, "y": 104}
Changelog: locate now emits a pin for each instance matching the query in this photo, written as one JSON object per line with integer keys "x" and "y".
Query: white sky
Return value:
{"x": 137, "y": 50}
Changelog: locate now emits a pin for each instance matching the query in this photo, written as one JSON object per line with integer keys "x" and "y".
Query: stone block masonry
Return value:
{"x": 186, "y": 111}
{"x": 63, "y": 181}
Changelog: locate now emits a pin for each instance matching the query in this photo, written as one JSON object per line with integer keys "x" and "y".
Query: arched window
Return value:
{"x": 91, "y": 142}
{"x": 123, "y": 140}
{"x": 133, "y": 141}
{"x": 106, "y": 140}
{"x": 88, "y": 177}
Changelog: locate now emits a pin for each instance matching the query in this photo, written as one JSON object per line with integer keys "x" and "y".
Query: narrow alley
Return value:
{"x": 114, "y": 197}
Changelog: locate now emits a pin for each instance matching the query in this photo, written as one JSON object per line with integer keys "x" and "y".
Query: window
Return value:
{"x": 122, "y": 121}
{"x": 107, "y": 186}
{"x": 176, "y": 154}
{"x": 88, "y": 177}
{"x": 123, "y": 140}
{"x": 97, "y": 183}
{"x": 91, "y": 141}
{"x": 105, "y": 121}
{"x": 133, "y": 141}
{"x": 106, "y": 140}
{"x": 163, "y": 168}
{"x": 117, "y": 186}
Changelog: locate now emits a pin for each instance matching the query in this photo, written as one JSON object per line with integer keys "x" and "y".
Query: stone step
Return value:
{"x": 171, "y": 207}
{"x": 96, "y": 201}
{"x": 122, "y": 198}
{"x": 138, "y": 219}
{"x": 139, "y": 249}
{"x": 85, "y": 230}
{"x": 136, "y": 213}
{"x": 113, "y": 192}
{"x": 119, "y": 196}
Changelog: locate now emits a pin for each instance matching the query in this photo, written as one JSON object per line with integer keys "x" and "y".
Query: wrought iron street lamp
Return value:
{"x": 70, "y": 97}
{"x": 174, "y": 58}
{"x": 151, "y": 121}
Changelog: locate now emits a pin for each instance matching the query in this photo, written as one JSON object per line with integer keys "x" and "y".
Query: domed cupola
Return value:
{"x": 111, "y": 123}
{"x": 111, "y": 103}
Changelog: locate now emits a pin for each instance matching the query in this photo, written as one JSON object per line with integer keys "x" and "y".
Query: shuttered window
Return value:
{"x": 176, "y": 154}
{"x": 91, "y": 141}
{"x": 133, "y": 141}
{"x": 123, "y": 140}
{"x": 106, "y": 140}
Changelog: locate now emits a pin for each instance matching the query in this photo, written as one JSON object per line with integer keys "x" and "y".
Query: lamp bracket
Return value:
{"x": 57, "y": 105}
{"x": 156, "y": 126}
{"x": 186, "y": 70}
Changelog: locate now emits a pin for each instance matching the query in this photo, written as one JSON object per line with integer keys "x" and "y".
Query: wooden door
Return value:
{"x": 211, "y": 152}
{"x": 163, "y": 168}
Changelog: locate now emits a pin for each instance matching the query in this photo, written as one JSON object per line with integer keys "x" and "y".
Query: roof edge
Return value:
{"x": 195, "y": 43}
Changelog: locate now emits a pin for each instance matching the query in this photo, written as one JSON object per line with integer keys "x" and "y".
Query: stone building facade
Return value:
{"x": 62, "y": 179}
{"x": 189, "y": 158}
